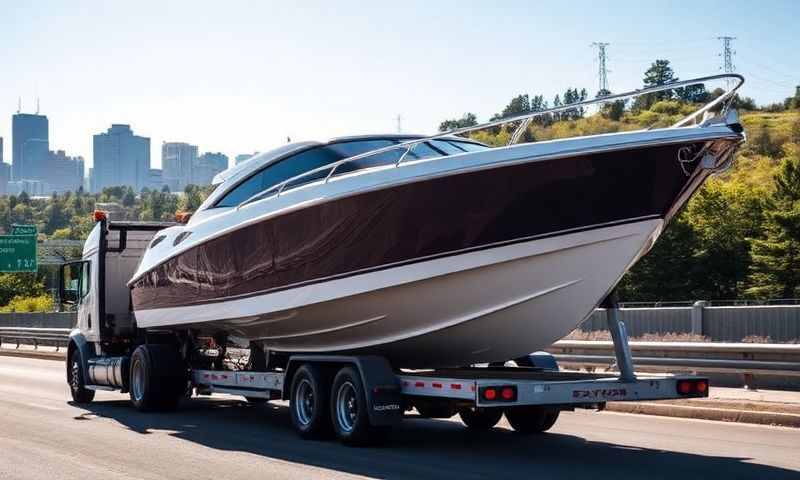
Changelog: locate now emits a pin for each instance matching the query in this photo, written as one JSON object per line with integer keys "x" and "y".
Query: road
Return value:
{"x": 42, "y": 436}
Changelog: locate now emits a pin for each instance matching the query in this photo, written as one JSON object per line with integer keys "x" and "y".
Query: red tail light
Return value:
{"x": 500, "y": 393}
{"x": 490, "y": 394}
{"x": 693, "y": 387}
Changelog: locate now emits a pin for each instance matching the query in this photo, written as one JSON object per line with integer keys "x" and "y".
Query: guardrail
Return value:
{"x": 35, "y": 336}
{"x": 741, "y": 358}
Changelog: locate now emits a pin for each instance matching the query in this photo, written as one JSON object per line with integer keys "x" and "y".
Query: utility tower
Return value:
{"x": 602, "y": 70}
{"x": 727, "y": 56}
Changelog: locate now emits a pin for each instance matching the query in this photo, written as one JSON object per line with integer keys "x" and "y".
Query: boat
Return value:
{"x": 432, "y": 251}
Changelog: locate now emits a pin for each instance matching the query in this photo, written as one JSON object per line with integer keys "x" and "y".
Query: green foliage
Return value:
{"x": 776, "y": 258}
{"x": 27, "y": 304}
{"x": 23, "y": 284}
{"x": 466, "y": 120}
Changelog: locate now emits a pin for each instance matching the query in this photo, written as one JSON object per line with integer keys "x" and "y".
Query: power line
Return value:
{"x": 602, "y": 70}
{"x": 727, "y": 56}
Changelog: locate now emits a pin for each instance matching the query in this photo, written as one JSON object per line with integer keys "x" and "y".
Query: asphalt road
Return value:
{"x": 42, "y": 436}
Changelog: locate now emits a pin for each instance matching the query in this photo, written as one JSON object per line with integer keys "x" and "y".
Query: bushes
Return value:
{"x": 18, "y": 304}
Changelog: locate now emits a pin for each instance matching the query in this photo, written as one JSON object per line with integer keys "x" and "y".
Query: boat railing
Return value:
{"x": 525, "y": 119}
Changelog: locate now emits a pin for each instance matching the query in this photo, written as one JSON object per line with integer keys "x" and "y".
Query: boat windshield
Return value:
{"x": 315, "y": 157}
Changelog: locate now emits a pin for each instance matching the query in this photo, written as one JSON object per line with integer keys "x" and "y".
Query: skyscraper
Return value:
{"x": 177, "y": 161}
{"x": 208, "y": 165}
{"x": 120, "y": 158}
{"x": 64, "y": 173}
{"x": 30, "y": 144}
{"x": 244, "y": 157}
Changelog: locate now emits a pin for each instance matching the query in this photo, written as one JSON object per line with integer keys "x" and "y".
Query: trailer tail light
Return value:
{"x": 693, "y": 387}
{"x": 500, "y": 393}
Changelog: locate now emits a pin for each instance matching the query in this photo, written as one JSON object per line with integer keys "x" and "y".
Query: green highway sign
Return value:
{"x": 18, "y": 253}
{"x": 23, "y": 229}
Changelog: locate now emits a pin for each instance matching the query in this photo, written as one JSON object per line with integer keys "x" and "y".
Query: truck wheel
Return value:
{"x": 349, "y": 411}
{"x": 309, "y": 402}
{"x": 531, "y": 419}
{"x": 77, "y": 385}
{"x": 480, "y": 418}
{"x": 158, "y": 378}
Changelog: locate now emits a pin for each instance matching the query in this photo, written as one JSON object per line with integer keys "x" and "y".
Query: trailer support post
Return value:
{"x": 619, "y": 335}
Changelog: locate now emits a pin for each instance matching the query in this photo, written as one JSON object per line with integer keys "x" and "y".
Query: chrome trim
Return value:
{"x": 525, "y": 118}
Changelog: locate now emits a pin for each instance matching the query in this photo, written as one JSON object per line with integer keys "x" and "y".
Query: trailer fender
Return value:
{"x": 77, "y": 341}
{"x": 541, "y": 360}
{"x": 384, "y": 397}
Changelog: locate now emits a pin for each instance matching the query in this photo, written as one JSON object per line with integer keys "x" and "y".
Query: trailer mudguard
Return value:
{"x": 382, "y": 387}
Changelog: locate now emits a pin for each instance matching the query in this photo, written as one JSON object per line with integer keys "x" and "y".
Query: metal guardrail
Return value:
{"x": 744, "y": 358}
{"x": 741, "y": 358}
{"x": 35, "y": 336}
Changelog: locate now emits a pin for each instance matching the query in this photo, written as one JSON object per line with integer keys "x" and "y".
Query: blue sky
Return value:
{"x": 242, "y": 76}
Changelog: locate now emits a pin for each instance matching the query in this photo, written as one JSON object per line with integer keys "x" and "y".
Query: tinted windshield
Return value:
{"x": 296, "y": 164}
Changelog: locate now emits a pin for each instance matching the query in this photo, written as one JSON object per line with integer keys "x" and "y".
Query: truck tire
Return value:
{"x": 158, "y": 377}
{"x": 480, "y": 418}
{"x": 531, "y": 419}
{"x": 349, "y": 411}
{"x": 77, "y": 384}
{"x": 308, "y": 402}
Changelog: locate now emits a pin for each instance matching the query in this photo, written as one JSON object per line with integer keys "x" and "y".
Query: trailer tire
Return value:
{"x": 349, "y": 412}
{"x": 77, "y": 384}
{"x": 531, "y": 419}
{"x": 158, "y": 377}
{"x": 480, "y": 418}
{"x": 308, "y": 402}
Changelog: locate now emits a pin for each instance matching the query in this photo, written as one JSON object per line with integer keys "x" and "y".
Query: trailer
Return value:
{"x": 357, "y": 398}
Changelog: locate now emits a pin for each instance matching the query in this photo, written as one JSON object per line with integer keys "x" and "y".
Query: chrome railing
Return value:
{"x": 525, "y": 119}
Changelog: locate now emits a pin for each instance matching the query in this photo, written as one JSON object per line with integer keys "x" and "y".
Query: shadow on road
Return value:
{"x": 422, "y": 448}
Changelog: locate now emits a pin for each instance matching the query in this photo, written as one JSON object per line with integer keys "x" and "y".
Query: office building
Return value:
{"x": 64, "y": 173}
{"x": 5, "y": 177}
{"x": 177, "y": 161}
{"x": 208, "y": 165}
{"x": 120, "y": 158}
{"x": 156, "y": 179}
{"x": 30, "y": 144}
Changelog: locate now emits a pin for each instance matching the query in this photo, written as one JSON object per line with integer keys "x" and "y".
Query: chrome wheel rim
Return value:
{"x": 137, "y": 383}
{"x": 304, "y": 401}
{"x": 346, "y": 406}
{"x": 74, "y": 381}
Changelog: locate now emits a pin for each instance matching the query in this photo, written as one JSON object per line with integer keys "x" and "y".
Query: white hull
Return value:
{"x": 437, "y": 312}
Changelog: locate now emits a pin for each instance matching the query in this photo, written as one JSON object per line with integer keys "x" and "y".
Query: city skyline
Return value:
{"x": 242, "y": 78}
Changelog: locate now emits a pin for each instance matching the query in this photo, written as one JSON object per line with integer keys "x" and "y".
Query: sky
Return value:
{"x": 239, "y": 77}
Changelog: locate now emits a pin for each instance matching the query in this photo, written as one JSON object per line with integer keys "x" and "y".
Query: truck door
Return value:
{"x": 77, "y": 290}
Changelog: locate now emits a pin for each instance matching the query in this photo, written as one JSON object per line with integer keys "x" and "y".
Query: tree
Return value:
{"x": 659, "y": 73}
{"x": 776, "y": 259}
{"x": 129, "y": 199}
{"x": 466, "y": 120}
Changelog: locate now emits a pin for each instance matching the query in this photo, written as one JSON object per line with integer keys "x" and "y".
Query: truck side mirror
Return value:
{"x": 69, "y": 276}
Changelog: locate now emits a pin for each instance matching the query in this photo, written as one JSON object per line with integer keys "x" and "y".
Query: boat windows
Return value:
{"x": 469, "y": 146}
{"x": 449, "y": 148}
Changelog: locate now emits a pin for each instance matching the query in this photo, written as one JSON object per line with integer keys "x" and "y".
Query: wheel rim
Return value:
{"x": 346, "y": 406}
{"x": 137, "y": 383}
{"x": 74, "y": 380}
{"x": 304, "y": 401}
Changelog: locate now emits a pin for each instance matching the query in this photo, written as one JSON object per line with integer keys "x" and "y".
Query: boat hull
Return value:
{"x": 441, "y": 312}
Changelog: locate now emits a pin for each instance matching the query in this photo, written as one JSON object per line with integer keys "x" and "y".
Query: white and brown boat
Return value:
{"x": 434, "y": 251}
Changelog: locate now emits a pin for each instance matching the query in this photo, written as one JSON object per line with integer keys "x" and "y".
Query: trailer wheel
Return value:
{"x": 77, "y": 384}
{"x": 158, "y": 378}
{"x": 309, "y": 402}
{"x": 480, "y": 418}
{"x": 349, "y": 411}
{"x": 531, "y": 419}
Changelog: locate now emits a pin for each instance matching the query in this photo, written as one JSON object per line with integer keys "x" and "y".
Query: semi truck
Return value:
{"x": 356, "y": 398}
